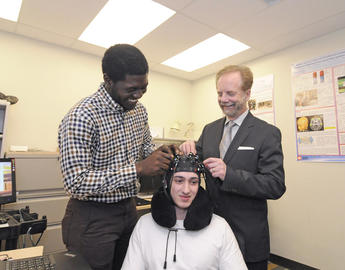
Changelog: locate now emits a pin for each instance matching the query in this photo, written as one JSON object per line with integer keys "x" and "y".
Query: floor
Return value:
{"x": 272, "y": 266}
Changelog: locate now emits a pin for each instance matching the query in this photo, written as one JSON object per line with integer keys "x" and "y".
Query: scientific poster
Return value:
{"x": 261, "y": 99}
{"x": 318, "y": 87}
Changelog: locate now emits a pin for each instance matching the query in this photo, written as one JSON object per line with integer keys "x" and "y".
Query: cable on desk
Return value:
{"x": 21, "y": 218}
{"x": 39, "y": 238}
{"x": 30, "y": 237}
{"x": 27, "y": 234}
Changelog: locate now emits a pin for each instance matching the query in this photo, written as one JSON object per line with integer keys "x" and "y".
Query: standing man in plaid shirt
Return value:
{"x": 105, "y": 144}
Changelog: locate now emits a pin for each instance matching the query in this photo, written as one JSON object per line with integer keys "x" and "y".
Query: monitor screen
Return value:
{"x": 149, "y": 185}
{"x": 7, "y": 181}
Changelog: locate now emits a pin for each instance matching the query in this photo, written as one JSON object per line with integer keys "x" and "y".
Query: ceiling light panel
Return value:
{"x": 9, "y": 9}
{"x": 206, "y": 52}
{"x": 125, "y": 21}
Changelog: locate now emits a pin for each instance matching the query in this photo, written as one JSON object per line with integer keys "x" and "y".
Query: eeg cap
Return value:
{"x": 183, "y": 163}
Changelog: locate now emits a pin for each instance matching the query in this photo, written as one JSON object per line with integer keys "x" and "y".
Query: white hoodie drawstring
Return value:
{"x": 166, "y": 248}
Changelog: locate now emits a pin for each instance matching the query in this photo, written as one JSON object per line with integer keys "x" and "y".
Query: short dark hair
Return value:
{"x": 123, "y": 59}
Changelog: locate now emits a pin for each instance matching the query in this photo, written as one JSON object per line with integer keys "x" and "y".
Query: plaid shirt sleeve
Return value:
{"x": 148, "y": 145}
{"x": 81, "y": 178}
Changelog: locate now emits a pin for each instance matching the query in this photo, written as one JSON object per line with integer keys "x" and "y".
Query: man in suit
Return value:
{"x": 248, "y": 171}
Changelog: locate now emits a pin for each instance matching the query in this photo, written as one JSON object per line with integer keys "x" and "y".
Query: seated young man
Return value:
{"x": 181, "y": 232}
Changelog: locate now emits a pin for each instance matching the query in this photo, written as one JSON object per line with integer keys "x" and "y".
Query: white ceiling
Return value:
{"x": 265, "y": 25}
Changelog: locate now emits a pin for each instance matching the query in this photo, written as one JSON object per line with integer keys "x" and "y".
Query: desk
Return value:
{"x": 63, "y": 260}
{"x": 143, "y": 208}
{"x": 22, "y": 253}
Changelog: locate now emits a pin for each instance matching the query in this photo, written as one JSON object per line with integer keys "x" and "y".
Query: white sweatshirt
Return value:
{"x": 212, "y": 248}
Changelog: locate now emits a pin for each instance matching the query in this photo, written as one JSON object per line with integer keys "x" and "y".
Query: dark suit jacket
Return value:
{"x": 254, "y": 174}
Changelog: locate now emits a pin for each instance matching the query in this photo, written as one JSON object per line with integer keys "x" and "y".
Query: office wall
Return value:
{"x": 49, "y": 79}
{"x": 308, "y": 223}
{"x": 167, "y": 101}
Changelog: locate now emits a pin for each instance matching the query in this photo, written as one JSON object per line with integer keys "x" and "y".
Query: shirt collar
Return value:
{"x": 109, "y": 100}
{"x": 239, "y": 120}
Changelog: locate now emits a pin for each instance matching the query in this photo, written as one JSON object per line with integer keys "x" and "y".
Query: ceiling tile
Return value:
{"x": 172, "y": 37}
{"x": 88, "y": 48}
{"x": 42, "y": 35}
{"x": 65, "y": 17}
{"x": 7, "y": 25}
{"x": 220, "y": 14}
{"x": 174, "y": 4}
{"x": 283, "y": 18}
{"x": 315, "y": 30}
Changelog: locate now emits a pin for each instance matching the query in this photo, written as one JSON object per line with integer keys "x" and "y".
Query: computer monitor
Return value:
{"x": 7, "y": 181}
{"x": 149, "y": 185}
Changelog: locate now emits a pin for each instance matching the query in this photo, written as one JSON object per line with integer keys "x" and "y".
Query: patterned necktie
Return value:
{"x": 226, "y": 140}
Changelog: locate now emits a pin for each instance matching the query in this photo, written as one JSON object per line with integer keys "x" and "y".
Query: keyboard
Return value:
{"x": 4, "y": 215}
{"x": 45, "y": 262}
{"x": 3, "y": 218}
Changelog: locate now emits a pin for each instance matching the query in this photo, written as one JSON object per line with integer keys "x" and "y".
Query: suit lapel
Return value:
{"x": 240, "y": 136}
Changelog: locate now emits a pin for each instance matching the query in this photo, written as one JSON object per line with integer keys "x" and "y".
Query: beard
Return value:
{"x": 235, "y": 109}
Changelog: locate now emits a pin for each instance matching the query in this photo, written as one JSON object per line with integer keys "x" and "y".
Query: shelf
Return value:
{"x": 168, "y": 140}
{"x": 160, "y": 141}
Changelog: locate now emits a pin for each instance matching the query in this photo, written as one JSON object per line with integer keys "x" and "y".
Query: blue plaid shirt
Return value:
{"x": 99, "y": 144}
